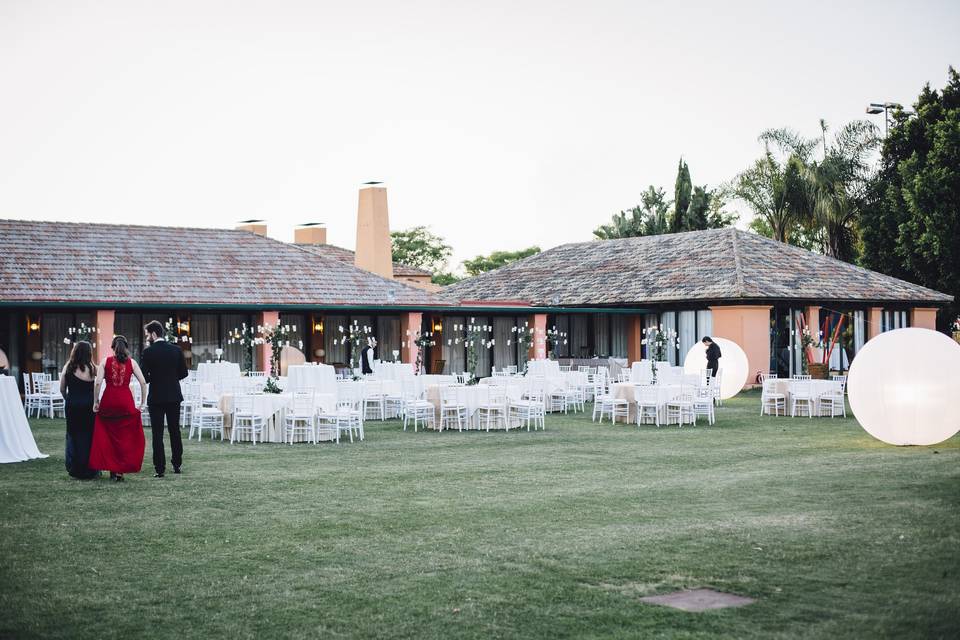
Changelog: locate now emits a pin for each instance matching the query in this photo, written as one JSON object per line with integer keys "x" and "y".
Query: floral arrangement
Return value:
{"x": 522, "y": 338}
{"x": 81, "y": 333}
{"x": 555, "y": 337}
{"x": 172, "y": 331}
{"x": 476, "y": 339}
{"x": 277, "y": 337}
{"x": 955, "y": 327}
{"x": 657, "y": 340}
{"x": 248, "y": 337}
{"x": 356, "y": 337}
{"x": 422, "y": 341}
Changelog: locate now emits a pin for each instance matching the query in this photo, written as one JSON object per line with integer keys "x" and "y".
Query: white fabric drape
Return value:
{"x": 335, "y": 353}
{"x": 504, "y": 355}
{"x": 601, "y": 335}
{"x": 388, "y": 336}
{"x": 687, "y": 328}
{"x": 618, "y": 336}
{"x": 16, "y": 439}
{"x": 579, "y": 337}
{"x": 453, "y": 350}
{"x": 859, "y": 327}
{"x": 704, "y": 323}
{"x": 203, "y": 330}
{"x": 669, "y": 321}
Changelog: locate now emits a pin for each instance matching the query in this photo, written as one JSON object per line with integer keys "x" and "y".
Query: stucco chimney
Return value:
{"x": 310, "y": 233}
{"x": 253, "y": 226}
{"x": 373, "y": 231}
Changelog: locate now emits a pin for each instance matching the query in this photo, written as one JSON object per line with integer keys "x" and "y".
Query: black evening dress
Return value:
{"x": 79, "y": 410}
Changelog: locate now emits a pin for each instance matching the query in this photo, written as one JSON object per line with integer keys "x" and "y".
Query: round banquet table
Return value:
{"x": 472, "y": 397}
{"x": 16, "y": 439}
{"x": 321, "y": 378}
{"x": 392, "y": 370}
{"x": 273, "y": 408}
{"x": 217, "y": 372}
{"x": 817, "y": 388}
{"x": 627, "y": 391}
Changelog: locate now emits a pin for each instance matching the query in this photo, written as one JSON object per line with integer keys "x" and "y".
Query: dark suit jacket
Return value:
{"x": 163, "y": 367}
{"x": 713, "y": 352}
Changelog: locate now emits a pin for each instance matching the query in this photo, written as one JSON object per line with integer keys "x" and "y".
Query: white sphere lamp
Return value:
{"x": 903, "y": 387}
{"x": 733, "y": 363}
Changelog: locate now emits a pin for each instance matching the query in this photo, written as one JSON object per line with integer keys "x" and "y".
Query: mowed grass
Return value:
{"x": 550, "y": 534}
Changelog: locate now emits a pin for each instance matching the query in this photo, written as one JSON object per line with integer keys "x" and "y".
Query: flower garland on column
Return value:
{"x": 247, "y": 337}
{"x": 658, "y": 338}
{"x": 555, "y": 338}
{"x": 422, "y": 340}
{"x": 522, "y": 338}
{"x": 277, "y": 337}
{"x": 476, "y": 338}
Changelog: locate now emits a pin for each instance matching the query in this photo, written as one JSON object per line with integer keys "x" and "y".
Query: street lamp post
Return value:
{"x": 875, "y": 108}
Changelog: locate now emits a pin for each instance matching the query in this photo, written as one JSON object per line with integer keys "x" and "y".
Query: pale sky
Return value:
{"x": 497, "y": 124}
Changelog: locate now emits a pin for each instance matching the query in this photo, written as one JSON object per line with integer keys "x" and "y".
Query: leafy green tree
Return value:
{"x": 649, "y": 218}
{"x": 698, "y": 211}
{"x": 910, "y": 224}
{"x": 681, "y": 197}
{"x": 497, "y": 259}
{"x": 419, "y": 247}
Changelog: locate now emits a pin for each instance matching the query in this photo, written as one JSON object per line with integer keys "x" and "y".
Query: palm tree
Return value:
{"x": 826, "y": 193}
{"x": 774, "y": 190}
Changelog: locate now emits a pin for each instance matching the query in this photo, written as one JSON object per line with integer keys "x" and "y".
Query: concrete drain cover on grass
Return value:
{"x": 699, "y": 600}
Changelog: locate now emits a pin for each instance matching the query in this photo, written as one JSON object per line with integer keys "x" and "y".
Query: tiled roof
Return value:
{"x": 345, "y": 255}
{"x": 720, "y": 264}
{"x": 71, "y": 262}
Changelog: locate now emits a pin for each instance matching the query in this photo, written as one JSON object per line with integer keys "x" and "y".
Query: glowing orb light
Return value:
{"x": 733, "y": 364}
{"x": 903, "y": 387}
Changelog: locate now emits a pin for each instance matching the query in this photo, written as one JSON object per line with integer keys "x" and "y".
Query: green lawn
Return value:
{"x": 548, "y": 534}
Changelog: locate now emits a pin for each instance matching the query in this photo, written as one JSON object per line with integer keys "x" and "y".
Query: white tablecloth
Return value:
{"x": 641, "y": 373}
{"x": 545, "y": 368}
{"x": 321, "y": 378}
{"x": 627, "y": 391}
{"x": 358, "y": 389}
{"x": 273, "y": 408}
{"x": 217, "y": 372}
{"x": 392, "y": 370}
{"x": 16, "y": 439}
{"x": 817, "y": 387}
{"x": 472, "y": 397}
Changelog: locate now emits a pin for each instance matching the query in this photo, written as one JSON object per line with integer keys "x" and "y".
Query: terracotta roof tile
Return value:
{"x": 347, "y": 256}
{"x": 72, "y": 262}
{"x": 720, "y": 264}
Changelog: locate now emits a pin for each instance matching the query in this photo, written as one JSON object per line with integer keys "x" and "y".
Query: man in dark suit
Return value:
{"x": 713, "y": 355}
{"x": 163, "y": 367}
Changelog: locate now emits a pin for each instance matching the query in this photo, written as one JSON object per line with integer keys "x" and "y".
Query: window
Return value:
{"x": 618, "y": 336}
{"x": 335, "y": 353}
{"x": 504, "y": 354}
{"x": 204, "y": 329}
{"x": 388, "y": 337}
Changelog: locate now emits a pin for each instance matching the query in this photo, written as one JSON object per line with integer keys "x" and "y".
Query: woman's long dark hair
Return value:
{"x": 121, "y": 349}
{"x": 81, "y": 358}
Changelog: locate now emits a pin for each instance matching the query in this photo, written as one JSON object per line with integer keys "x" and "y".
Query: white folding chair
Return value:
{"x": 494, "y": 409}
{"x": 301, "y": 417}
{"x": 451, "y": 409}
{"x": 772, "y": 400}
{"x": 679, "y": 409}
{"x": 801, "y": 397}
{"x": 647, "y": 398}
{"x": 245, "y": 420}
{"x": 832, "y": 403}
{"x": 529, "y": 410}
{"x": 205, "y": 418}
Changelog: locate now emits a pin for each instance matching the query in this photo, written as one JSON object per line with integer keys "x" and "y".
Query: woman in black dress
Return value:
{"x": 76, "y": 386}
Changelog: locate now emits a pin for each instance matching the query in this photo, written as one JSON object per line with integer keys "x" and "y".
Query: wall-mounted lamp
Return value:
{"x": 34, "y": 326}
{"x": 318, "y": 327}
{"x": 438, "y": 326}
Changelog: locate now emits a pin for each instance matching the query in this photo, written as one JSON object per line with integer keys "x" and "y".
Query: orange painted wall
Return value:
{"x": 923, "y": 317}
{"x": 374, "y": 251}
{"x": 104, "y": 321}
{"x": 634, "y": 339}
{"x": 749, "y": 327}
{"x": 538, "y": 346}
{"x": 264, "y": 351}
{"x": 409, "y": 328}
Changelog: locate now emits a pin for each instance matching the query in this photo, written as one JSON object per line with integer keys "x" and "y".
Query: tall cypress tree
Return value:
{"x": 681, "y": 197}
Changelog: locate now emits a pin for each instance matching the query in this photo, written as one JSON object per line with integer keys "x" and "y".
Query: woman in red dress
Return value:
{"x": 118, "y": 441}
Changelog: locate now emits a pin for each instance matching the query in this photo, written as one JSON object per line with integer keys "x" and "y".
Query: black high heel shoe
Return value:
{"x": 116, "y": 477}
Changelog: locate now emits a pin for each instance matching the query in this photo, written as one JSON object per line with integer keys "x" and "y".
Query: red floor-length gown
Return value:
{"x": 118, "y": 441}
